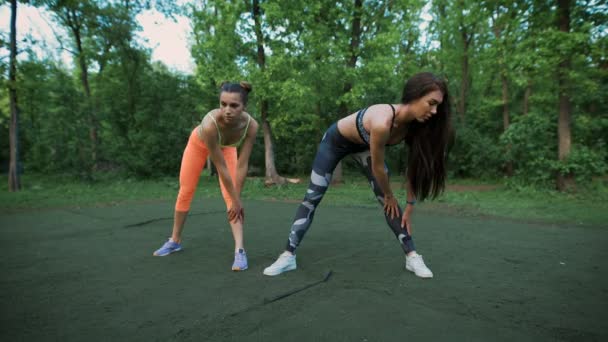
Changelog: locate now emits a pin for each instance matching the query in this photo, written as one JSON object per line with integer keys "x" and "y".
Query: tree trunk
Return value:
{"x": 566, "y": 181}
{"x": 528, "y": 91}
{"x": 505, "y": 102}
{"x": 272, "y": 176}
{"x": 14, "y": 183}
{"x": 506, "y": 118}
{"x": 353, "y": 51}
{"x": 210, "y": 167}
{"x": 527, "y": 95}
{"x": 351, "y": 63}
{"x": 443, "y": 37}
{"x": 497, "y": 28}
{"x": 73, "y": 21}
{"x": 464, "y": 82}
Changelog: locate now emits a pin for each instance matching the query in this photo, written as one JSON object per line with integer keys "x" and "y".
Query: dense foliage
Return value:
{"x": 502, "y": 59}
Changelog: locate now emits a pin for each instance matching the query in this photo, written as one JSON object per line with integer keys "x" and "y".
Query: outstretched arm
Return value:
{"x": 210, "y": 137}
{"x": 244, "y": 154}
{"x": 379, "y": 135}
{"x": 409, "y": 208}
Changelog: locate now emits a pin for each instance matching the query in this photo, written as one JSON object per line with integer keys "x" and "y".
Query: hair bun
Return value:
{"x": 246, "y": 86}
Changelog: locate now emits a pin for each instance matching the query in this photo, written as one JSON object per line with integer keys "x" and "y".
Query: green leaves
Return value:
{"x": 146, "y": 112}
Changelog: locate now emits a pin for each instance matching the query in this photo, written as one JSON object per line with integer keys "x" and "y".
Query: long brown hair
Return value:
{"x": 428, "y": 141}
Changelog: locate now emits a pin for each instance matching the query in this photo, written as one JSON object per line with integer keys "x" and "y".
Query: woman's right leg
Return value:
{"x": 322, "y": 169}
{"x": 329, "y": 153}
{"x": 331, "y": 150}
{"x": 413, "y": 260}
{"x": 193, "y": 162}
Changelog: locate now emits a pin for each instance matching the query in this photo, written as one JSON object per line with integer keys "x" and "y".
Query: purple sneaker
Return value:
{"x": 169, "y": 247}
{"x": 240, "y": 261}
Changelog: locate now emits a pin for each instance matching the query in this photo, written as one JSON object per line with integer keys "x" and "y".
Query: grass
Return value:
{"x": 532, "y": 205}
{"x": 463, "y": 197}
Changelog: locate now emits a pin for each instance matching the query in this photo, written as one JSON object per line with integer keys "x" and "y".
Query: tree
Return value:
{"x": 351, "y": 64}
{"x": 564, "y": 181}
{"x": 14, "y": 183}
{"x": 310, "y": 62}
{"x": 272, "y": 176}
{"x": 76, "y": 17}
{"x": 466, "y": 28}
{"x": 503, "y": 22}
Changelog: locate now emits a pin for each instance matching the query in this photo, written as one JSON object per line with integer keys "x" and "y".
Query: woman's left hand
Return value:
{"x": 405, "y": 219}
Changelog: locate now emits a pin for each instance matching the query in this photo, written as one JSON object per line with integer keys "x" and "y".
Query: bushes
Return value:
{"x": 525, "y": 145}
{"x": 528, "y": 145}
{"x": 145, "y": 122}
{"x": 474, "y": 154}
{"x": 584, "y": 163}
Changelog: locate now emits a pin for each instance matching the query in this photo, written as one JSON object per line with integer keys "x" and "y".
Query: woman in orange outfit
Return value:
{"x": 219, "y": 135}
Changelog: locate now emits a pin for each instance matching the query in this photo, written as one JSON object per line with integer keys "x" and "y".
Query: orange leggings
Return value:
{"x": 193, "y": 162}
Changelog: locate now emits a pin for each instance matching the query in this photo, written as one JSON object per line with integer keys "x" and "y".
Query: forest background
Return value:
{"x": 528, "y": 81}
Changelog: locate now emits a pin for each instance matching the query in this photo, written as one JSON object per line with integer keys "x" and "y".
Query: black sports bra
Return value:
{"x": 362, "y": 132}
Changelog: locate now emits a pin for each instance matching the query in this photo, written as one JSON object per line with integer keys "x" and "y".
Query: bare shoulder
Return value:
{"x": 207, "y": 129}
{"x": 381, "y": 110}
{"x": 253, "y": 124}
{"x": 211, "y": 113}
{"x": 380, "y": 116}
{"x": 207, "y": 125}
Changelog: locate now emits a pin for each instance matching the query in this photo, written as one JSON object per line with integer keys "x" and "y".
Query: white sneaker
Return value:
{"x": 415, "y": 264}
{"x": 285, "y": 262}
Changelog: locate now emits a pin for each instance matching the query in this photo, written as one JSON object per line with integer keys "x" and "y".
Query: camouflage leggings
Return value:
{"x": 333, "y": 148}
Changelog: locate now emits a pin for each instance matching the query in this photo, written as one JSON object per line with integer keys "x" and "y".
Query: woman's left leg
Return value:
{"x": 230, "y": 157}
{"x": 413, "y": 261}
{"x": 364, "y": 160}
{"x": 240, "y": 258}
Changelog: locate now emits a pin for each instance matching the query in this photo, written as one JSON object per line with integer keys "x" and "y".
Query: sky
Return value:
{"x": 167, "y": 38}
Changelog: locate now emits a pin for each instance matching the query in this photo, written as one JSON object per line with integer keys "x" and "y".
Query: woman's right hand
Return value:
{"x": 391, "y": 207}
{"x": 236, "y": 212}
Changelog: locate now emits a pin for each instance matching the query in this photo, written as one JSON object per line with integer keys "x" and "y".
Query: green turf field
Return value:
{"x": 87, "y": 274}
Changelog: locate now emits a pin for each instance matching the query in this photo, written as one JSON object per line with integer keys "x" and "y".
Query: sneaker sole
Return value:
{"x": 173, "y": 251}
{"x": 237, "y": 269}
{"x": 270, "y": 273}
